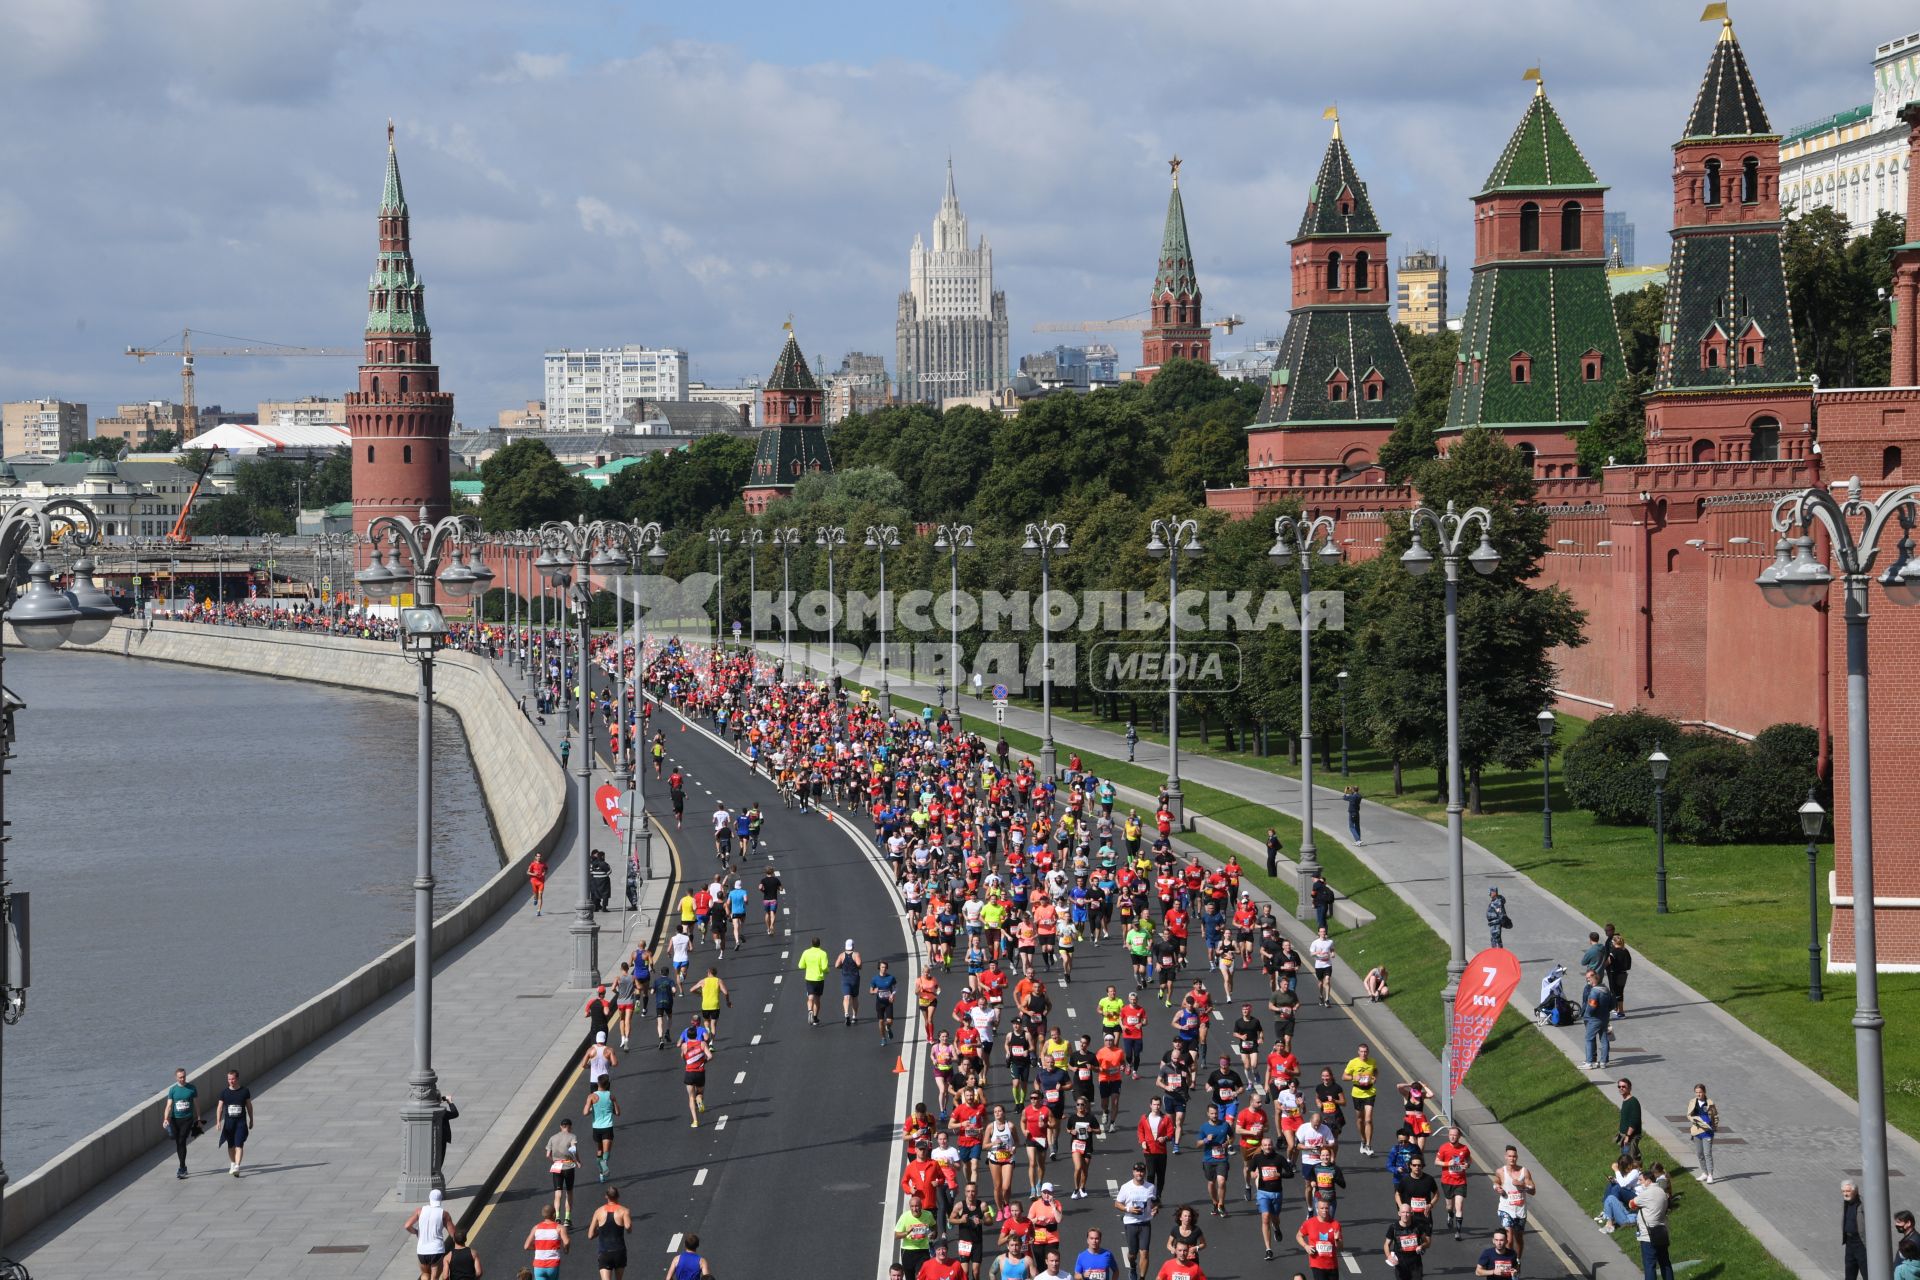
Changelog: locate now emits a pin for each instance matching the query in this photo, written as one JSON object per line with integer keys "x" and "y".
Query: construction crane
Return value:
{"x": 186, "y": 352}
{"x": 178, "y": 535}
{"x": 1135, "y": 322}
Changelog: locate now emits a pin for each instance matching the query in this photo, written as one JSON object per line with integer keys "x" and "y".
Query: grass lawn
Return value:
{"x": 1736, "y": 926}
{"x": 1524, "y": 1079}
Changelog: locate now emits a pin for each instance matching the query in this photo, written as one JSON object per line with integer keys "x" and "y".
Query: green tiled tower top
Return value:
{"x": 1726, "y": 286}
{"x": 396, "y": 300}
{"x": 1555, "y": 313}
{"x": 392, "y": 198}
{"x": 1325, "y": 342}
{"x": 785, "y": 453}
{"x": 1175, "y": 275}
{"x": 1337, "y": 176}
{"x": 1727, "y": 106}
{"x": 790, "y": 372}
{"x": 1541, "y": 153}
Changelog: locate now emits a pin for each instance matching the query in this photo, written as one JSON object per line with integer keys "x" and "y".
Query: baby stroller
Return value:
{"x": 1554, "y": 1009}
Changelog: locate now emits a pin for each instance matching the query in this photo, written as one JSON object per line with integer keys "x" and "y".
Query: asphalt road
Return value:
{"x": 791, "y": 1159}
{"x": 796, "y": 1154}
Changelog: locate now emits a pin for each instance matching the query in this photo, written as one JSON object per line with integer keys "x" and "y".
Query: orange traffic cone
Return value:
{"x": 899, "y": 1065}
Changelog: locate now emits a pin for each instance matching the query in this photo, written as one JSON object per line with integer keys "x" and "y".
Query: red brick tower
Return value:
{"x": 794, "y": 441}
{"x": 1906, "y": 270}
{"x": 1175, "y": 330}
{"x": 1728, "y": 387}
{"x": 399, "y": 418}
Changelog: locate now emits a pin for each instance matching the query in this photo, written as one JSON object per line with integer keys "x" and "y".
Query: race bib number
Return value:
{"x": 966, "y": 1248}
{"x": 235, "y": 1109}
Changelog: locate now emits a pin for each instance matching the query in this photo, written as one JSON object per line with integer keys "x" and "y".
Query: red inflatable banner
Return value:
{"x": 1485, "y": 988}
{"x": 607, "y": 801}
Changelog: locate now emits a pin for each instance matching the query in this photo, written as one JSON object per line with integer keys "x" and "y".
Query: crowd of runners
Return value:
{"x": 1006, "y": 876}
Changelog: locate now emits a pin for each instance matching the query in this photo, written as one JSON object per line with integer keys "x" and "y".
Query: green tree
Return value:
{"x": 1834, "y": 281}
{"x": 1509, "y": 627}
{"x": 112, "y": 448}
{"x": 1431, "y": 358}
{"x": 1618, "y": 433}
{"x": 527, "y": 486}
{"x": 1212, "y": 455}
{"x": 330, "y": 479}
{"x": 683, "y": 488}
{"x": 1639, "y": 315}
{"x": 159, "y": 442}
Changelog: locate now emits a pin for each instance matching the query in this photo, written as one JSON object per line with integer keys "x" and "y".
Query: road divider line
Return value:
{"x": 673, "y": 1244}
{"x": 778, "y": 978}
{"x": 719, "y": 1124}
{"x": 756, "y": 1039}
{"x": 700, "y": 1178}
{"x": 768, "y": 1009}
{"x": 741, "y": 1078}
{"x": 1353, "y": 1263}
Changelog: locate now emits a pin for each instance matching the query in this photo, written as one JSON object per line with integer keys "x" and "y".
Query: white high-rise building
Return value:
{"x": 590, "y": 390}
{"x": 951, "y": 335}
{"x": 1856, "y": 160}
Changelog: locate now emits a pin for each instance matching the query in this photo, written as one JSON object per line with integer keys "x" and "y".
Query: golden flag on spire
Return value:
{"x": 1539, "y": 81}
{"x": 1331, "y": 113}
{"x": 1715, "y": 12}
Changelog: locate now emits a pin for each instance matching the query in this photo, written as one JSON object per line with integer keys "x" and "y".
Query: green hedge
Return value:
{"x": 1719, "y": 790}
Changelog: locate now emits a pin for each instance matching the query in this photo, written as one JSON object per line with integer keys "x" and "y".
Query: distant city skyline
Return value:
{"x": 216, "y": 165}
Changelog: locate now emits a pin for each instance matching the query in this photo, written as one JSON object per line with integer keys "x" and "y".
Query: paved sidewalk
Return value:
{"x": 1788, "y": 1137}
{"x": 318, "y": 1196}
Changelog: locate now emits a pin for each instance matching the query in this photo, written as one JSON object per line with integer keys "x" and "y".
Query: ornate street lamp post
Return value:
{"x": 1813, "y": 820}
{"x": 1804, "y": 580}
{"x": 42, "y": 617}
{"x": 1043, "y": 539}
{"x": 589, "y": 548}
{"x": 1172, "y": 539}
{"x": 752, "y": 539}
{"x": 423, "y": 632}
{"x": 1659, "y": 763}
{"x": 953, "y": 539}
{"x": 719, "y": 540}
{"x": 1547, "y": 726}
{"x": 879, "y": 538}
{"x": 786, "y": 538}
{"x": 1340, "y": 679}
{"x": 1293, "y": 539}
{"x": 831, "y": 536}
{"x": 1450, "y": 530}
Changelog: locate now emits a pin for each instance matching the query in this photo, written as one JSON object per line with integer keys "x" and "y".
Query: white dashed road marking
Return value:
{"x": 742, "y": 1079}
{"x": 700, "y": 1178}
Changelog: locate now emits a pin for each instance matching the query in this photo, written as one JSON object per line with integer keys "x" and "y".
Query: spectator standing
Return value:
{"x": 1321, "y": 895}
{"x": 1703, "y": 1122}
{"x": 1353, "y": 814}
{"x": 1496, "y": 916}
{"x": 1852, "y": 1224}
{"x": 1619, "y": 964}
{"x": 1649, "y": 1205}
{"x": 1631, "y": 1124}
{"x": 1596, "y": 1007}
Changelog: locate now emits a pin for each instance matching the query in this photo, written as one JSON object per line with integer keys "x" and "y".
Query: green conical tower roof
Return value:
{"x": 1728, "y": 106}
{"x": 790, "y": 372}
{"x": 1175, "y": 275}
{"x": 1541, "y": 153}
{"x": 1337, "y": 183}
{"x": 392, "y": 198}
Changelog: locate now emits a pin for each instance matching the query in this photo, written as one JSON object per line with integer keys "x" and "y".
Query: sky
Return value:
{"x": 600, "y": 172}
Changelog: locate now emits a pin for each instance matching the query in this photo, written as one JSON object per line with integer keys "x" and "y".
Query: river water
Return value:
{"x": 204, "y": 851}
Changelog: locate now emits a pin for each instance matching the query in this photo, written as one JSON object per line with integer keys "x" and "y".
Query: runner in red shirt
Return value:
{"x": 939, "y": 1267}
{"x": 1454, "y": 1160}
{"x": 1183, "y": 1265}
{"x": 1320, "y": 1237}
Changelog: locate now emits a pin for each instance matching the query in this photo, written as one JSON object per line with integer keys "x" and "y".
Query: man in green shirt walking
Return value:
{"x": 813, "y": 967}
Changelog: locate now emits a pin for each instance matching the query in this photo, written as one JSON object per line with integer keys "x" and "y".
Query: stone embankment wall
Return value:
{"x": 526, "y": 796}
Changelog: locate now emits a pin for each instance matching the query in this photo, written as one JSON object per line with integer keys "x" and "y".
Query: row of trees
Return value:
{"x": 269, "y": 492}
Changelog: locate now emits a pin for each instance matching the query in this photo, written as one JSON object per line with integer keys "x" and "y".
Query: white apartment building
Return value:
{"x": 589, "y": 390}
{"x": 41, "y": 428}
{"x": 1856, "y": 160}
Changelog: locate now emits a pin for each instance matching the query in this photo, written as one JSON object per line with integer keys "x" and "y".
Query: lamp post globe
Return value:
{"x": 97, "y": 610}
{"x": 43, "y": 618}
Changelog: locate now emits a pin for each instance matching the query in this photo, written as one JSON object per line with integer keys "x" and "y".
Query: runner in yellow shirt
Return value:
{"x": 814, "y": 963}
{"x": 1110, "y": 1006}
{"x": 687, "y": 910}
{"x": 712, "y": 991}
{"x": 1364, "y": 1074}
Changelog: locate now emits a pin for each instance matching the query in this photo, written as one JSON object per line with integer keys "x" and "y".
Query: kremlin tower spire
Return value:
{"x": 1728, "y": 387}
{"x": 794, "y": 441}
{"x": 1539, "y": 350}
{"x": 1340, "y": 379}
{"x": 399, "y": 418}
{"x": 1175, "y": 330}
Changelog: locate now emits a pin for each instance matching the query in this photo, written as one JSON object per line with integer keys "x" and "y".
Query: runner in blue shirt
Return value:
{"x": 737, "y": 910}
{"x": 1215, "y": 1139}
{"x": 1096, "y": 1261}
